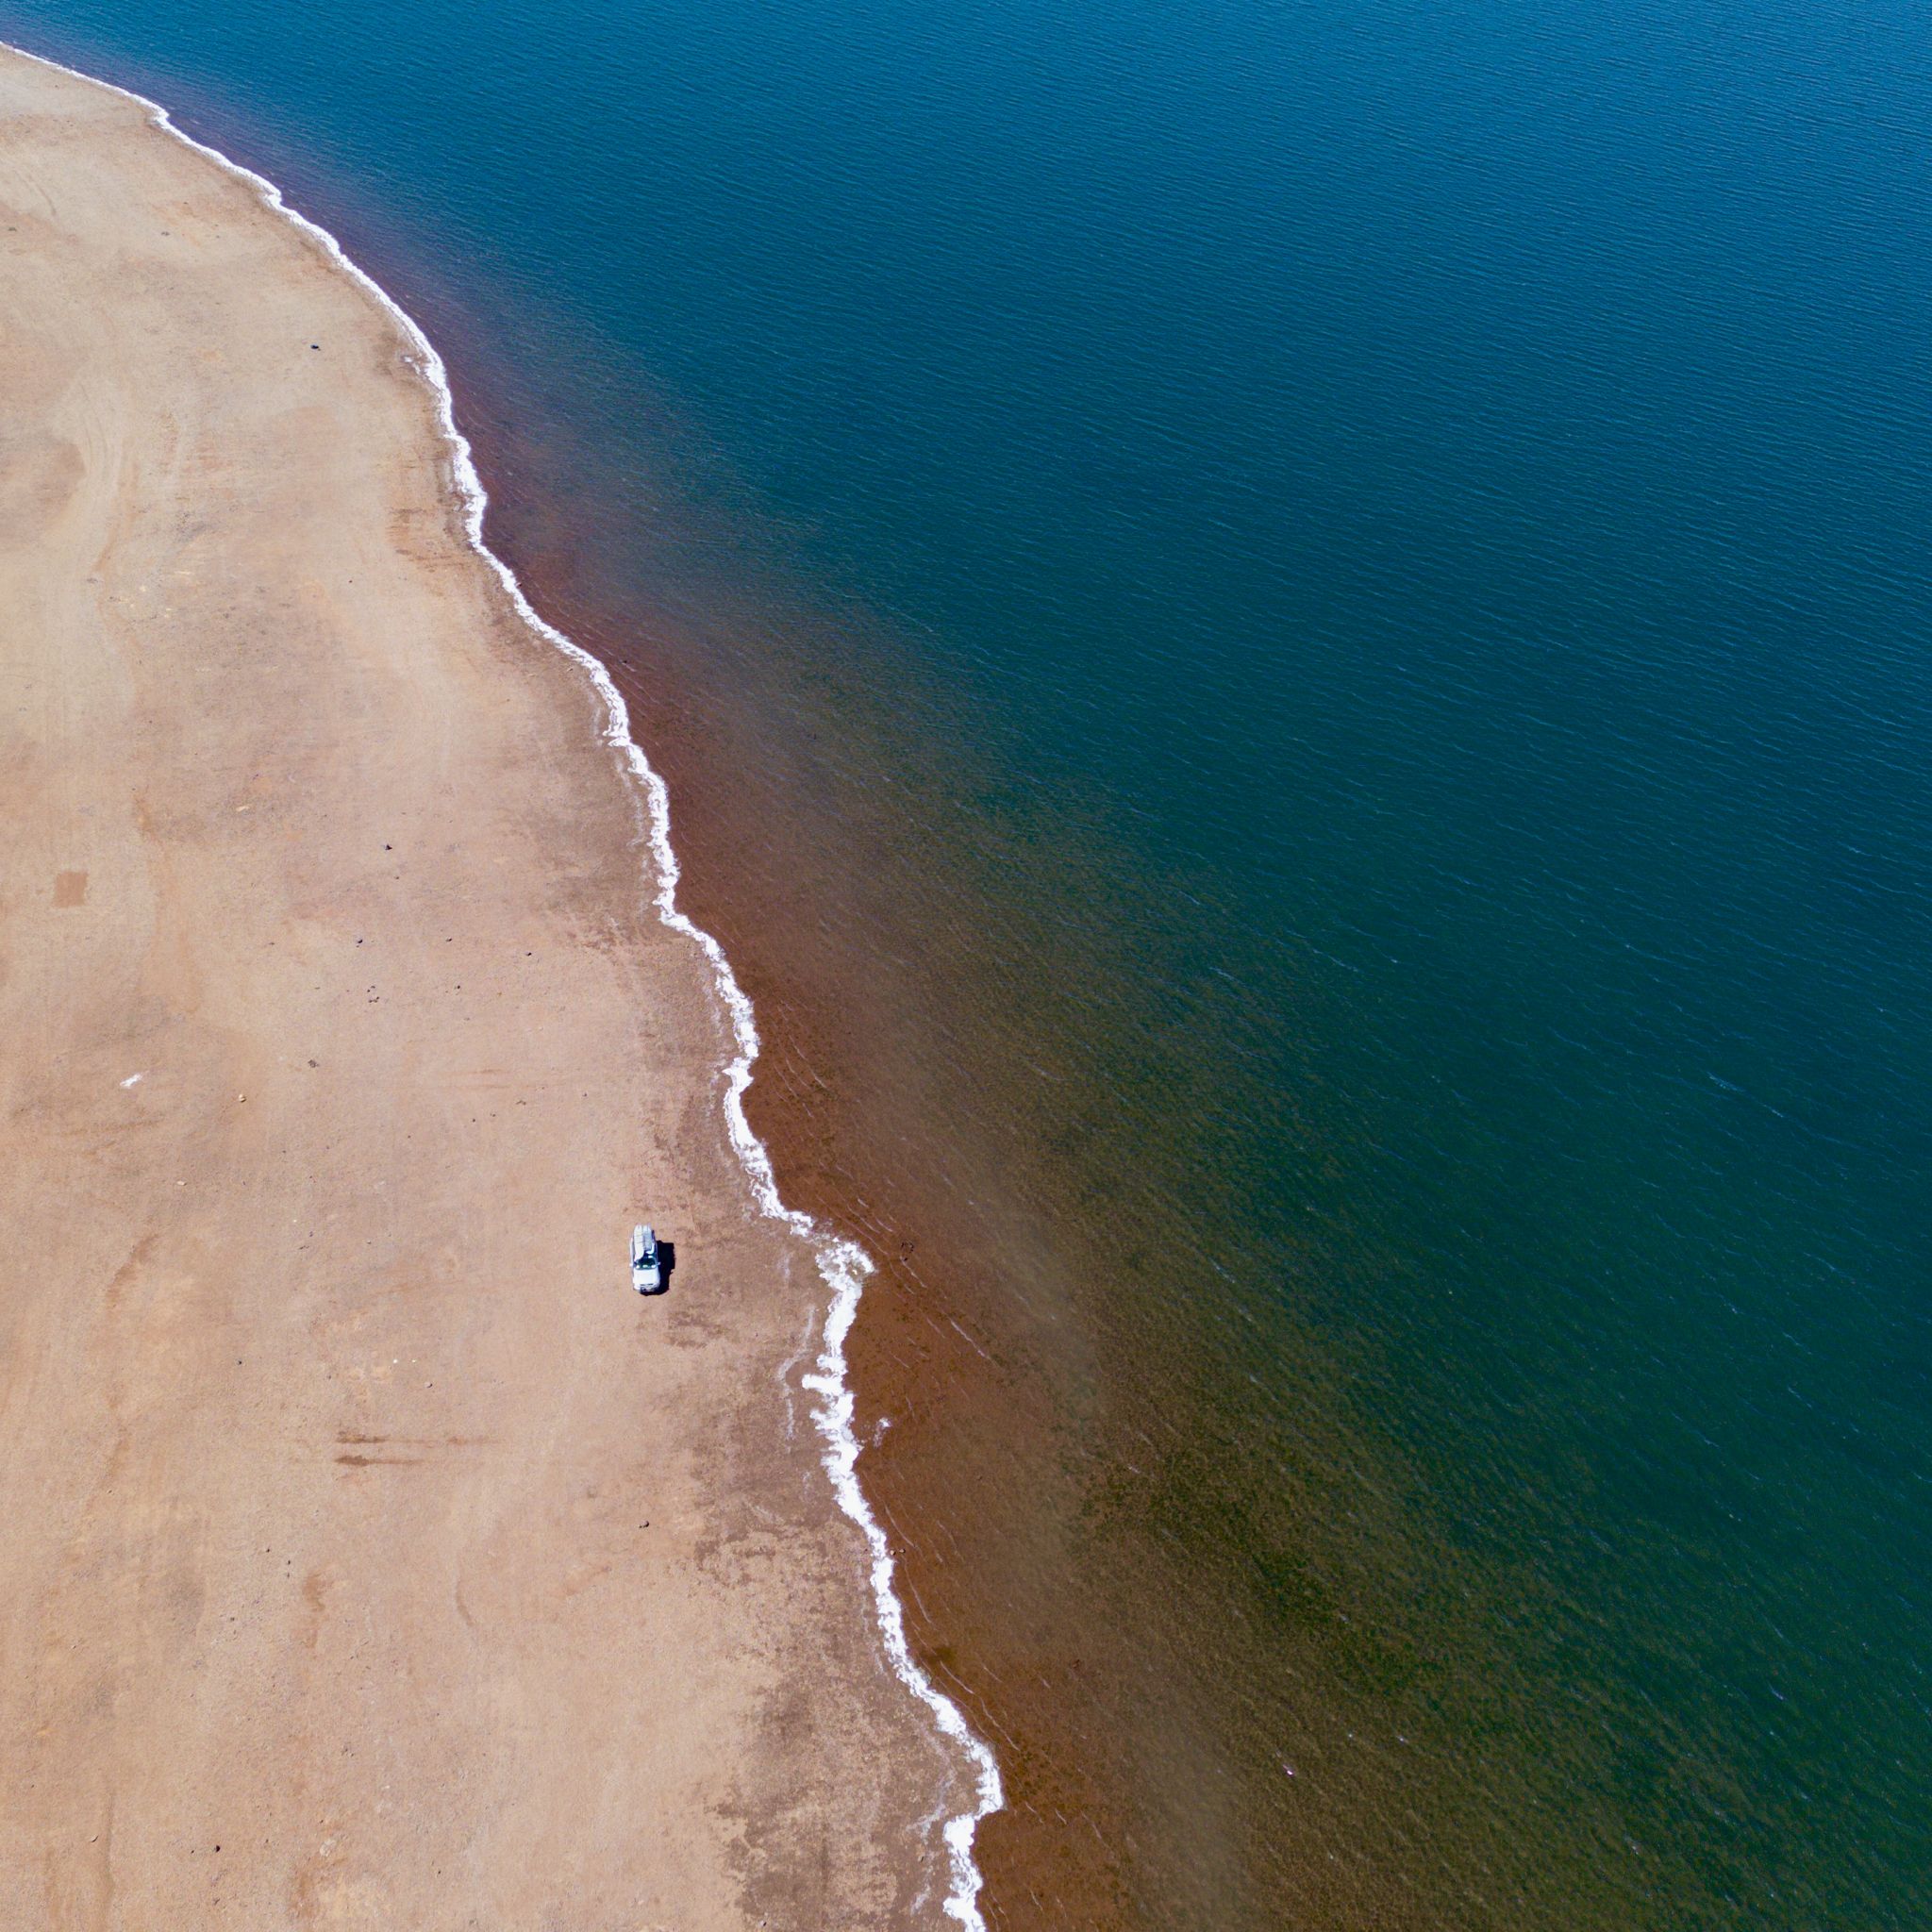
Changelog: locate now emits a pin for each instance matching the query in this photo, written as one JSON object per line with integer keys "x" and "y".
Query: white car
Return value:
{"x": 646, "y": 1277}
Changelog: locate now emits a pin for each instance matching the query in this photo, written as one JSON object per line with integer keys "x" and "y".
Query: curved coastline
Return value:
{"x": 843, "y": 1266}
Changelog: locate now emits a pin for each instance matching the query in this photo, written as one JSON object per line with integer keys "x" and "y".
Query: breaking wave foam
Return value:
{"x": 842, "y": 1263}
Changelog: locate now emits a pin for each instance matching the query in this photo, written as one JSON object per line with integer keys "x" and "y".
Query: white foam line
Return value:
{"x": 842, "y": 1263}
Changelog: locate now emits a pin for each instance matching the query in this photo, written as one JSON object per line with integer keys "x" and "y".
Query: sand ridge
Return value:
{"x": 354, "y": 1520}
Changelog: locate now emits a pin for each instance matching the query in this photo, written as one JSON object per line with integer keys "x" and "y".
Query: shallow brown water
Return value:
{"x": 1029, "y": 1491}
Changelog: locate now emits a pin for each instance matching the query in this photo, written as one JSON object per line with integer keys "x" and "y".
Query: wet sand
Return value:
{"x": 369, "y": 1554}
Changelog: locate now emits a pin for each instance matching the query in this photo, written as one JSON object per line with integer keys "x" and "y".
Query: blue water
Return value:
{"x": 1363, "y": 642}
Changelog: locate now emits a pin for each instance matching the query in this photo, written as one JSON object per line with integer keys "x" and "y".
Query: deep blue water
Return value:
{"x": 1394, "y": 540}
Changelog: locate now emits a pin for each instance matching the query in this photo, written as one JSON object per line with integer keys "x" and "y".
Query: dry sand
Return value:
{"x": 368, "y": 1554}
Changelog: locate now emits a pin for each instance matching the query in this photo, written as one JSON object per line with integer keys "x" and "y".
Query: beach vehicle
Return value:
{"x": 646, "y": 1275}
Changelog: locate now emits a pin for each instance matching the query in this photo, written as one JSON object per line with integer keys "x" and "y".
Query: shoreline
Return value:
{"x": 842, "y": 1263}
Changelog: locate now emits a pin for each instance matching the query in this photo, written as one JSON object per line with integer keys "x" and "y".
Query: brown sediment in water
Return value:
{"x": 1131, "y": 1597}
{"x": 1164, "y": 1609}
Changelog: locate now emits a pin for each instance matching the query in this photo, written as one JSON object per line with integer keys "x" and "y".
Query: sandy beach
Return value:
{"x": 368, "y": 1554}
